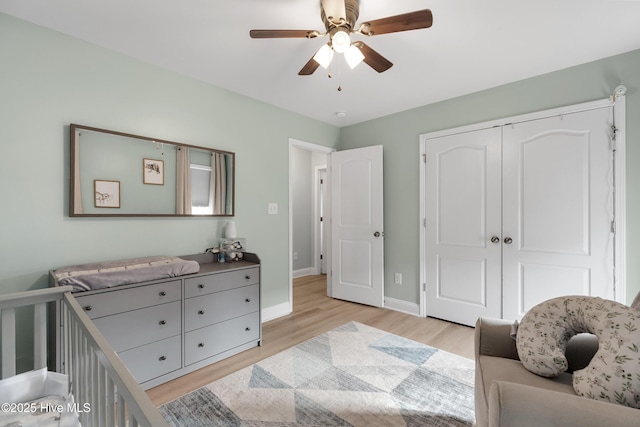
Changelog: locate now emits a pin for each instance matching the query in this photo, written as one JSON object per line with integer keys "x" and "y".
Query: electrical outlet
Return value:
{"x": 295, "y": 256}
{"x": 398, "y": 279}
{"x": 272, "y": 208}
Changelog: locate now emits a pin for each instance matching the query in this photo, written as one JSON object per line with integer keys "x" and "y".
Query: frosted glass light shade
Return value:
{"x": 341, "y": 41}
{"x": 353, "y": 56}
{"x": 324, "y": 56}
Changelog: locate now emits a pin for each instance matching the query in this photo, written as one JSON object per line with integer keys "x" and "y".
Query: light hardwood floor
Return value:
{"x": 313, "y": 314}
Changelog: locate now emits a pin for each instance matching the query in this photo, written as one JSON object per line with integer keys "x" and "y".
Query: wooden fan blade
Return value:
{"x": 393, "y": 24}
{"x": 373, "y": 58}
{"x": 335, "y": 9}
{"x": 309, "y": 67}
{"x": 274, "y": 34}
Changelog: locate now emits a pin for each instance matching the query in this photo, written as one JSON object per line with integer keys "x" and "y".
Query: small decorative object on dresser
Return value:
{"x": 233, "y": 249}
{"x": 179, "y": 324}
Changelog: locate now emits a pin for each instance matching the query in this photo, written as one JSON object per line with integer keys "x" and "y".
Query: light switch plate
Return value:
{"x": 273, "y": 208}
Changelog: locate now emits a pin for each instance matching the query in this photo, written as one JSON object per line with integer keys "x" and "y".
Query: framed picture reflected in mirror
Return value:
{"x": 153, "y": 171}
{"x": 106, "y": 193}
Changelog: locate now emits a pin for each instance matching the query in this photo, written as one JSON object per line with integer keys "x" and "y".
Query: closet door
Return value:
{"x": 557, "y": 210}
{"x": 463, "y": 226}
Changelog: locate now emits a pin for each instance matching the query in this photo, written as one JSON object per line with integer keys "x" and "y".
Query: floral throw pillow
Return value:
{"x": 614, "y": 372}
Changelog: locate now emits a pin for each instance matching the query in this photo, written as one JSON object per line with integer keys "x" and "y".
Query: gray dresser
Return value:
{"x": 162, "y": 329}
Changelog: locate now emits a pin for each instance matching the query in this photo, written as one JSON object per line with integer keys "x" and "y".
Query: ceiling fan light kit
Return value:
{"x": 324, "y": 56}
{"x": 340, "y": 41}
{"x": 339, "y": 18}
{"x": 353, "y": 56}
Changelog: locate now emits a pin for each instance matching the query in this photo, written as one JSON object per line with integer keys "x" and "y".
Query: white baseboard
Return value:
{"x": 309, "y": 271}
{"x": 275, "y": 311}
{"x": 402, "y": 306}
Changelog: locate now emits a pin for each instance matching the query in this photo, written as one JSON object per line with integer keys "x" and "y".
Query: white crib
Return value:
{"x": 98, "y": 381}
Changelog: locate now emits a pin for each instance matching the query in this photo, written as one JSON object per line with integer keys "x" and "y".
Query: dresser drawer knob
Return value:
{"x": 200, "y": 286}
{"x": 162, "y": 322}
{"x": 247, "y": 329}
{"x": 201, "y": 345}
{"x": 247, "y": 277}
{"x": 247, "y": 300}
{"x": 163, "y": 294}
{"x": 162, "y": 358}
{"x": 200, "y": 312}
{"x": 88, "y": 308}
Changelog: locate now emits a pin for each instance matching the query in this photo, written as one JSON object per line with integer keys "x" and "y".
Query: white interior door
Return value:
{"x": 463, "y": 226}
{"x": 558, "y": 210}
{"x": 357, "y": 254}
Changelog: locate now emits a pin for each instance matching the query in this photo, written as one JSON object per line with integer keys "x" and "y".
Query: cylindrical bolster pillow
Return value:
{"x": 613, "y": 374}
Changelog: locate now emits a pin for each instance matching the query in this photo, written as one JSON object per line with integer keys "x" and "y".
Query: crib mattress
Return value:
{"x": 86, "y": 277}
{"x": 48, "y": 411}
{"x": 37, "y": 398}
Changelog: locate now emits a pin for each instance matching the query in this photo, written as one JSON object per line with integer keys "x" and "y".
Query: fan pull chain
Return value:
{"x": 329, "y": 75}
{"x": 339, "y": 76}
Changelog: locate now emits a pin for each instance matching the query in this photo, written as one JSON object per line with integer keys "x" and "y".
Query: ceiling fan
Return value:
{"x": 339, "y": 18}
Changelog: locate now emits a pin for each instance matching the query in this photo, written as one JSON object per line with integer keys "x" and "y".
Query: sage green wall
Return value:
{"x": 399, "y": 134}
{"x": 301, "y": 208}
{"x": 49, "y": 80}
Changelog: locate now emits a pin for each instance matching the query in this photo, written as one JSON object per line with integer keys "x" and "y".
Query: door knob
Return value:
{"x": 377, "y": 234}
{"x": 495, "y": 239}
{"x": 508, "y": 240}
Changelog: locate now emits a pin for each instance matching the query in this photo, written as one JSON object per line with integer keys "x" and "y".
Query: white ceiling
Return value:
{"x": 472, "y": 45}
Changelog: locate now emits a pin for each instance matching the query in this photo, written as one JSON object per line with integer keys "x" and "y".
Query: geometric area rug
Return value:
{"x": 354, "y": 375}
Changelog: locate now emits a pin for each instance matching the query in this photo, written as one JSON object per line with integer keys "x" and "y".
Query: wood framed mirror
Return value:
{"x": 154, "y": 177}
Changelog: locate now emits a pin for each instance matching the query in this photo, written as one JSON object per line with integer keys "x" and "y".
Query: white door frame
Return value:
{"x": 619, "y": 108}
{"x": 319, "y": 228}
{"x": 319, "y": 149}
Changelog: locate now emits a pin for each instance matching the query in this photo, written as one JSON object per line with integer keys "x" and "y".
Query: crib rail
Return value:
{"x": 105, "y": 392}
{"x": 39, "y": 300}
{"x": 99, "y": 379}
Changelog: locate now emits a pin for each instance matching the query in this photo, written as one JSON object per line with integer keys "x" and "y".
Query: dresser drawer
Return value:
{"x": 215, "y": 339}
{"x": 195, "y": 286}
{"x": 213, "y": 308}
{"x": 121, "y": 300}
{"x": 153, "y": 360}
{"x": 139, "y": 327}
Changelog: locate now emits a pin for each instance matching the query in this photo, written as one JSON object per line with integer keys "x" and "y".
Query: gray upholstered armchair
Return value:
{"x": 508, "y": 395}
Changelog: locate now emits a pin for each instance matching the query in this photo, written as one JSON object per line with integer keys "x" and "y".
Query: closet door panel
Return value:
{"x": 463, "y": 192}
{"x": 462, "y": 210}
{"x": 557, "y": 210}
{"x": 534, "y": 278}
{"x": 553, "y": 174}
